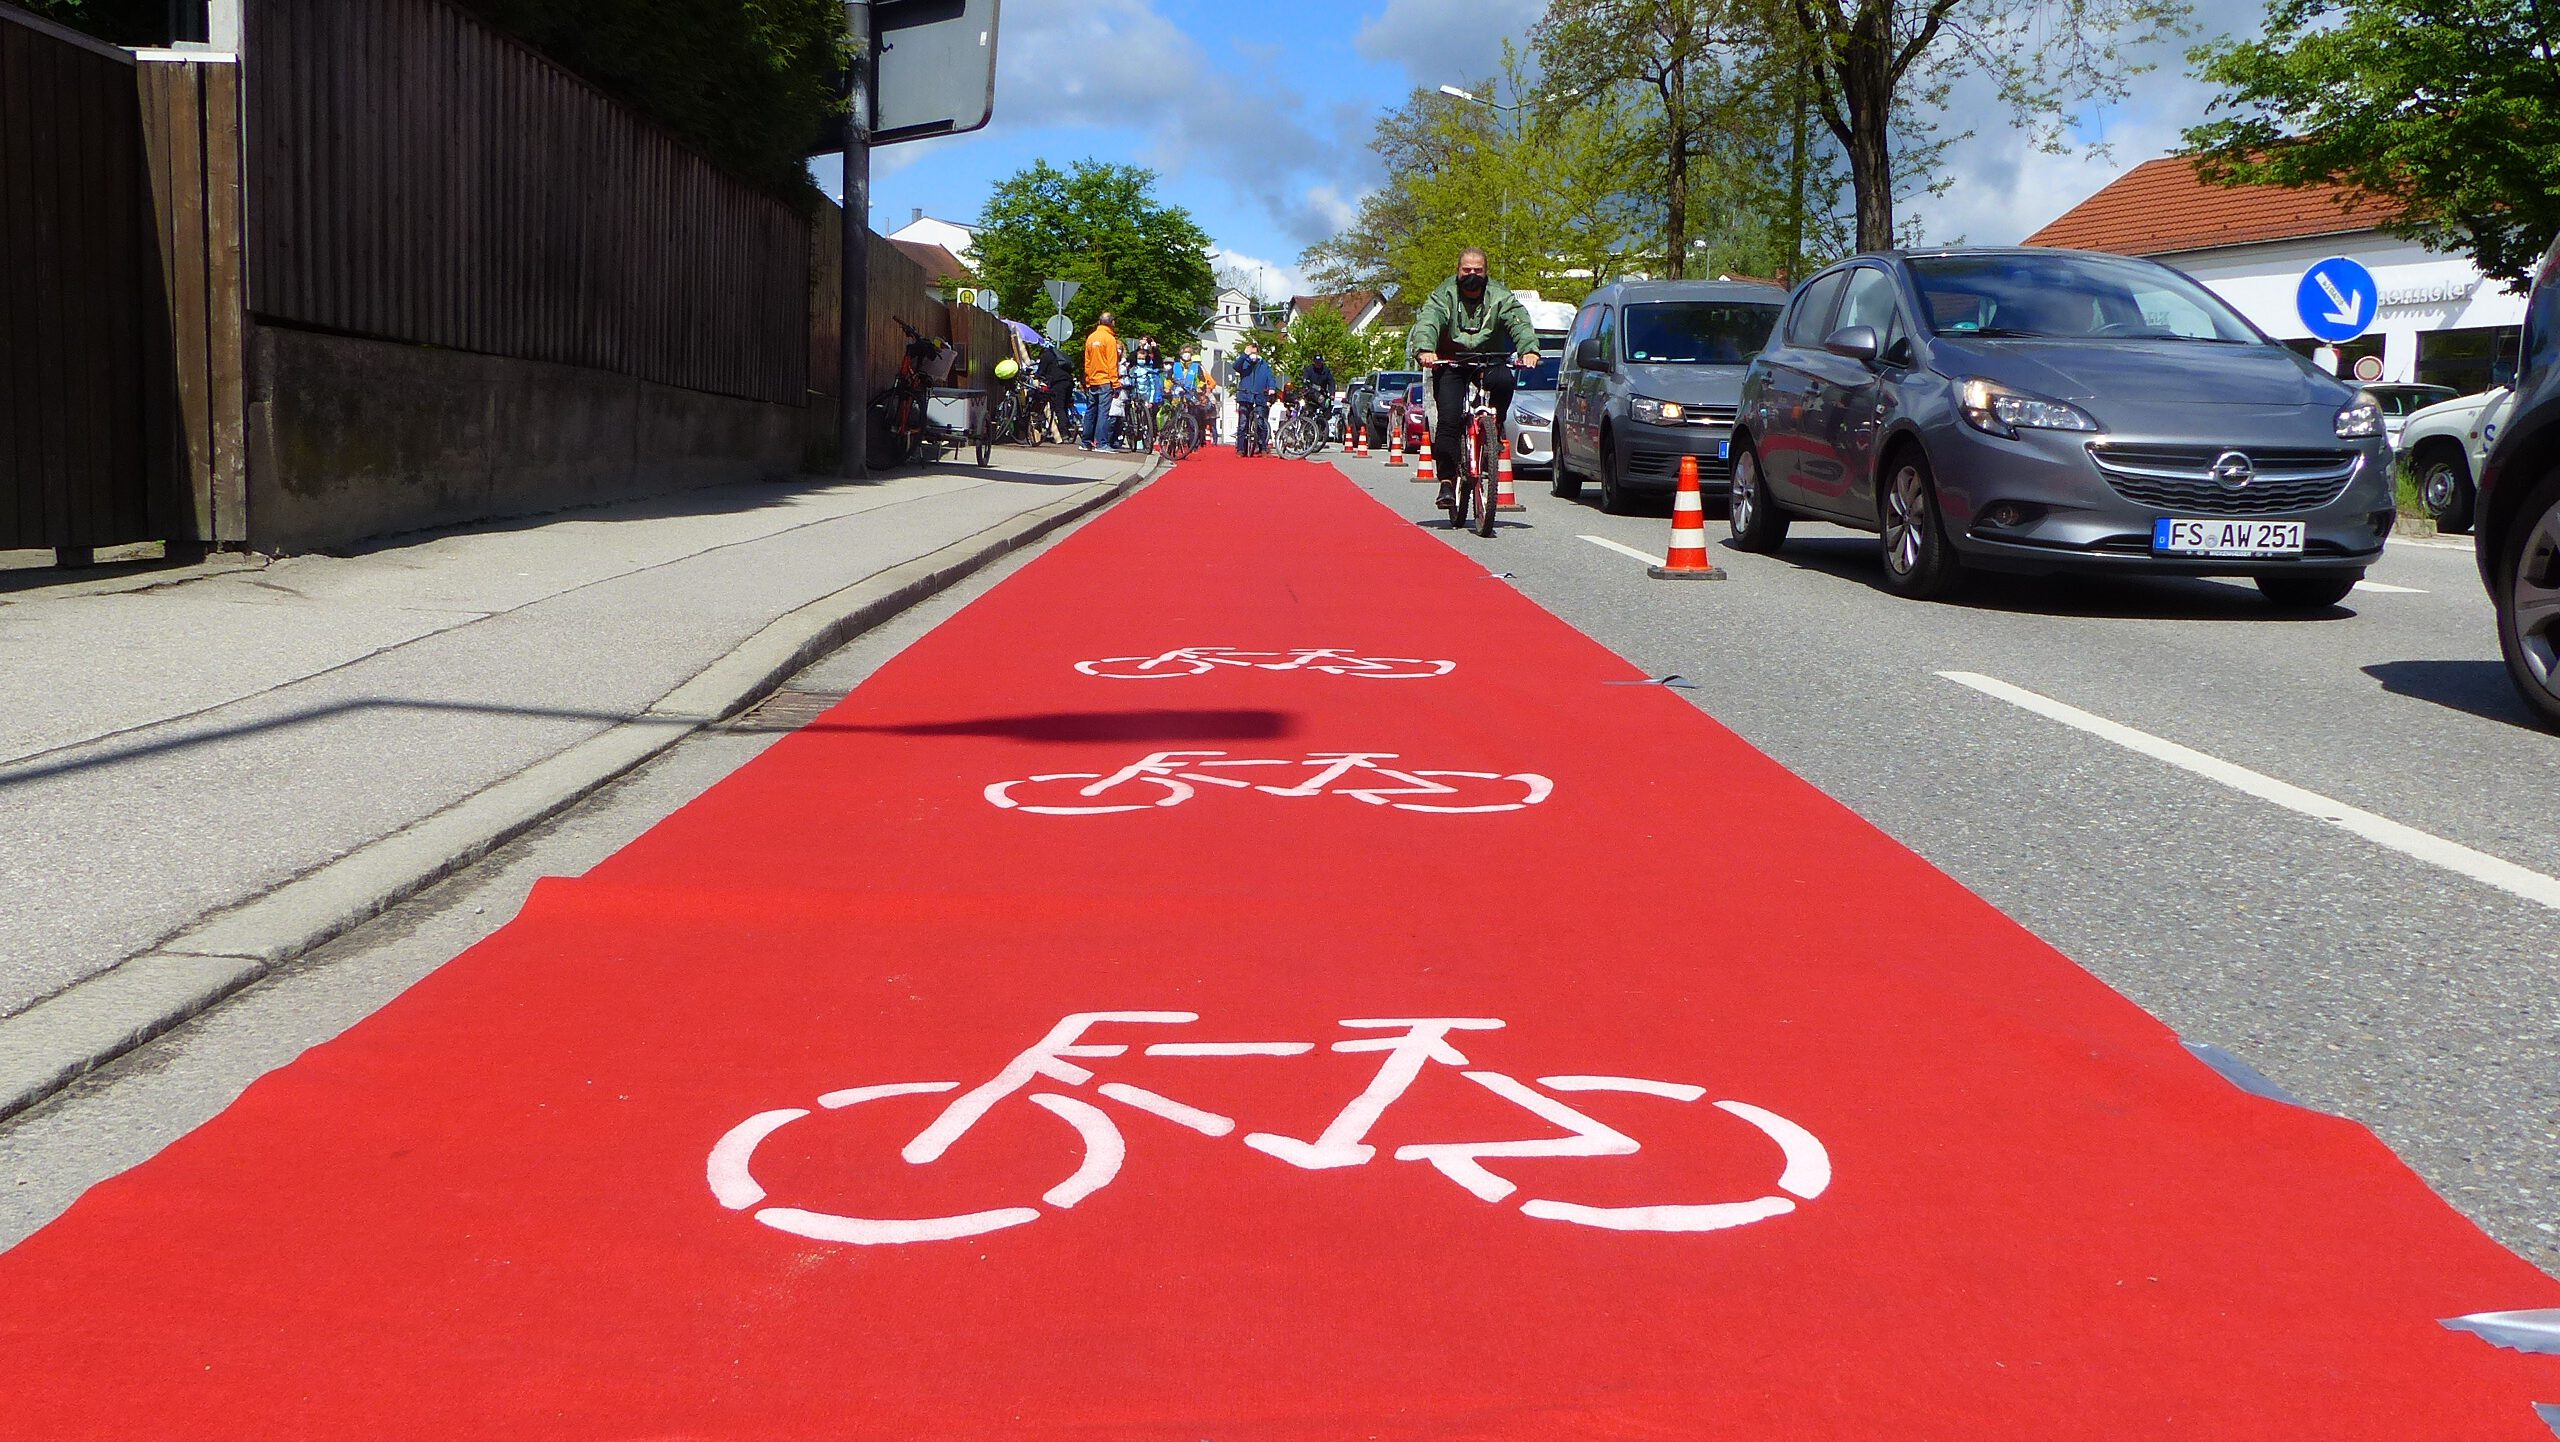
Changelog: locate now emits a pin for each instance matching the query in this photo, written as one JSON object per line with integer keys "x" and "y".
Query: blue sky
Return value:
{"x": 1257, "y": 118}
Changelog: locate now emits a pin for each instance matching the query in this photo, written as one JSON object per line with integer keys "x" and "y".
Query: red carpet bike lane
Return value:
{"x": 1240, "y": 981}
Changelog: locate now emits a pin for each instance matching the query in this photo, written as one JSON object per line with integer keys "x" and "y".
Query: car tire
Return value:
{"x": 2308, "y": 593}
{"x": 1920, "y": 560}
{"x": 1613, "y": 489}
{"x": 1561, "y": 481}
{"x": 2529, "y": 559}
{"x": 1755, "y": 521}
{"x": 2444, "y": 486}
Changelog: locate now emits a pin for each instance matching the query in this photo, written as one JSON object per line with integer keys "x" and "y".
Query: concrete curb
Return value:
{"x": 54, "y": 1042}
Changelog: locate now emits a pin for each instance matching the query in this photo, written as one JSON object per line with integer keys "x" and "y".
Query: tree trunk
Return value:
{"x": 1795, "y": 182}
{"x": 1676, "y": 126}
{"x": 1866, "y": 92}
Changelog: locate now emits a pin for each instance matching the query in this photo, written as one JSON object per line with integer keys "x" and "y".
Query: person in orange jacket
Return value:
{"x": 1101, "y": 378}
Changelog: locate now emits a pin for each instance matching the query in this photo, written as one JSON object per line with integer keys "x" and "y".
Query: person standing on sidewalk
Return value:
{"x": 1102, "y": 380}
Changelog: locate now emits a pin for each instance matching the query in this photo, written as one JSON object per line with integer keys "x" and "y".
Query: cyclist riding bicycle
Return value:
{"x": 1468, "y": 317}
{"x": 1317, "y": 383}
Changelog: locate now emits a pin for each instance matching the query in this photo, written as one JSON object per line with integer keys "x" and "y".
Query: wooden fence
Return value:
{"x": 191, "y": 126}
{"x": 418, "y": 176}
{"x": 82, "y": 443}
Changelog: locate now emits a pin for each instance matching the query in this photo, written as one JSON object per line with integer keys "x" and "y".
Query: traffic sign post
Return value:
{"x": 2336, "y": 300}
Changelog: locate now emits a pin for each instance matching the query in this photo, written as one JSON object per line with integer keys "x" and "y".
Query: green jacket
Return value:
{"x": 1450, "y": 326}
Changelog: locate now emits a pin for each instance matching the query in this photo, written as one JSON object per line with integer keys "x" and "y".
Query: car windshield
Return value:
{"x": 1397, "y": 380}
{"x": 1544, "y": 377}
{"x": 2071, "y": 297}
{"x": 2401, "y": 400}
{"x": 1697, "y": 332}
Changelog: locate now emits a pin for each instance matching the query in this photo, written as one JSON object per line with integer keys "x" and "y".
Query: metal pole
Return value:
{"x": 852, "y": 430}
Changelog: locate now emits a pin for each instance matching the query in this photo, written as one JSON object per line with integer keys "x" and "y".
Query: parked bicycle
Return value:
{"x": 1480, "y": 459}
{"x": 899, "y": 410}
{"x": 1408, "y": 1050}
{"x": 1177, "y": 428}
{"x": 1299, "y": 434}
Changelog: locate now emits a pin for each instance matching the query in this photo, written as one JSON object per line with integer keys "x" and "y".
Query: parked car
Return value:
{"x": 1652, "y": 370}
{"x": 2445, "y": 446}
{"x": 2055, "y": 410}
{"x": 2517, "y": 542}
{"x": 2401, "y": 400}
{"x": 1405, "y": 413}
{"x": 1382, "y": 387}
{"x": 1530, "y": 426}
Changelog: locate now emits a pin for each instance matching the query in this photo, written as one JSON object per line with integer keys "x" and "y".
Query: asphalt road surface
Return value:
{"x": 2362, "y": 980}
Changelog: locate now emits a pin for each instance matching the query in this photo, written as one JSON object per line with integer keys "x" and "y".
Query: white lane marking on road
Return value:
{"x": 1647, "y": 557}
{"x": 2387, "y": 588}
{"x": 2479, "y": 866}
{"x": 2430, "y": 545}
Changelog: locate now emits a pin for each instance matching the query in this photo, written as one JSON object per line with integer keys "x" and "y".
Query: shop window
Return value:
{"x": 2468, "y": 360}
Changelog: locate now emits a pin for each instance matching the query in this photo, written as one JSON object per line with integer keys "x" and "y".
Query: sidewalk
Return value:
{"x": 204, "y": 776}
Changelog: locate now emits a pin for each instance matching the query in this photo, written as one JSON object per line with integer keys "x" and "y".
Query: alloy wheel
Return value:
{"x": 2534, "y": 600}
{"x": 1742, "y": 500}
{"x": 1906, "y": 520}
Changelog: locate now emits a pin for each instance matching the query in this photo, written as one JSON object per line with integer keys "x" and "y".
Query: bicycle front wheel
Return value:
{"x": 1481, "y": 462}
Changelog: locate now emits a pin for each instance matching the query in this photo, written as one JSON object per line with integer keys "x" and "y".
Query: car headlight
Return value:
{"x": 1997, "y": 410}
{"x": 1660, "y": 413}
{"x": 2360, "y": 419}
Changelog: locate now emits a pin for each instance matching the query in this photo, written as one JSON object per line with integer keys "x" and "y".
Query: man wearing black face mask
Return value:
{"x": 1468, "y": 315}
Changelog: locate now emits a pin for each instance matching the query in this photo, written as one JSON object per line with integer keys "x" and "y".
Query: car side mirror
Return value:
{"x": 1857, "y": 342}
{"x": 1588, "y": 356}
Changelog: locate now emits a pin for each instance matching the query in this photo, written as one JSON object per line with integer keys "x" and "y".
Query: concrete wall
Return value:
{"x": 352, "y": 438}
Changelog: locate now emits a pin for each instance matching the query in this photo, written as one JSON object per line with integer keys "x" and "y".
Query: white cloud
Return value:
{"x": 1278, "y": 279}
{"x": 1444, "y": 42}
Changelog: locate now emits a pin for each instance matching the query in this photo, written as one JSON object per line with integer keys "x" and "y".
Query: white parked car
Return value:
{"x": 2445, "y": 446}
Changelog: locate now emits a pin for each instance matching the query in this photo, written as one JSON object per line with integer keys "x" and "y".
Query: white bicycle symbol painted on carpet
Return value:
{"x": 1201, "y": 660}
{"x": 1169, "y": 778}
{"x": 1407, "y": 1045}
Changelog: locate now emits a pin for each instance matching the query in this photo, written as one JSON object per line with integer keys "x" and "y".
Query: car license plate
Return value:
{"x": 2171, "y": 537}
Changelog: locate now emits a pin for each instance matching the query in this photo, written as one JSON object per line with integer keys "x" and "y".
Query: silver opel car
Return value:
{"x": 2054, "y": 410}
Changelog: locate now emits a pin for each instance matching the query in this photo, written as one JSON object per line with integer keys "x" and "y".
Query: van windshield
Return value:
{"x": 1697, "y": 332}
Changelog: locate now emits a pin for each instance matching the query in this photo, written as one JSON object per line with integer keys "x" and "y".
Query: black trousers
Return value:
{"x": 1449, "y": 432}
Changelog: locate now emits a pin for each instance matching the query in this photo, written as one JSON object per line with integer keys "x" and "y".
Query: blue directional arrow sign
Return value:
{"x": 2337, "y": 299}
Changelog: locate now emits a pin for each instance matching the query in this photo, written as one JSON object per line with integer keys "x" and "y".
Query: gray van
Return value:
{"x": 1652, "y": 372}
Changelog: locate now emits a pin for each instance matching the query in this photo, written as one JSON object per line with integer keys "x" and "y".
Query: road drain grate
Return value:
{"x": 785, "y": 711}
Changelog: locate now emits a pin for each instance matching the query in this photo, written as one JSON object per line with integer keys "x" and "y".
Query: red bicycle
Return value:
{"x": 1480, "y": 459}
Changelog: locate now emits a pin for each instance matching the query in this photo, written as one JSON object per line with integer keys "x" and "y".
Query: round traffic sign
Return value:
{"x": 2369, "y": 368}
{"x": 1057, "y": 328}
{"x": 2336, "y": 299}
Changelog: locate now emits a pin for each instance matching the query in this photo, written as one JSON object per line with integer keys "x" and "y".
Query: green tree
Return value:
{"x": 1877, "y": 66}
{"x": 2449, "y": 107}
{"x": 1693, "y": 62}
{"x": 1321, "y": 331}
{"x": 1546, "y": 189}
{"x": 1143, "y": 260}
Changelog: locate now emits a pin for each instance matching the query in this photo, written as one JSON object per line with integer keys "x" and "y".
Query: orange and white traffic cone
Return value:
{"x": 1688, "y": 558}
{"x": 1395, "y": 444}
{"x": 1425, "y": 471}
{"x": 1503, "y": 499}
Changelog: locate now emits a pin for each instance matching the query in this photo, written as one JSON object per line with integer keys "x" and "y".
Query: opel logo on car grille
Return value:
{"x": 2232, "y": 471}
